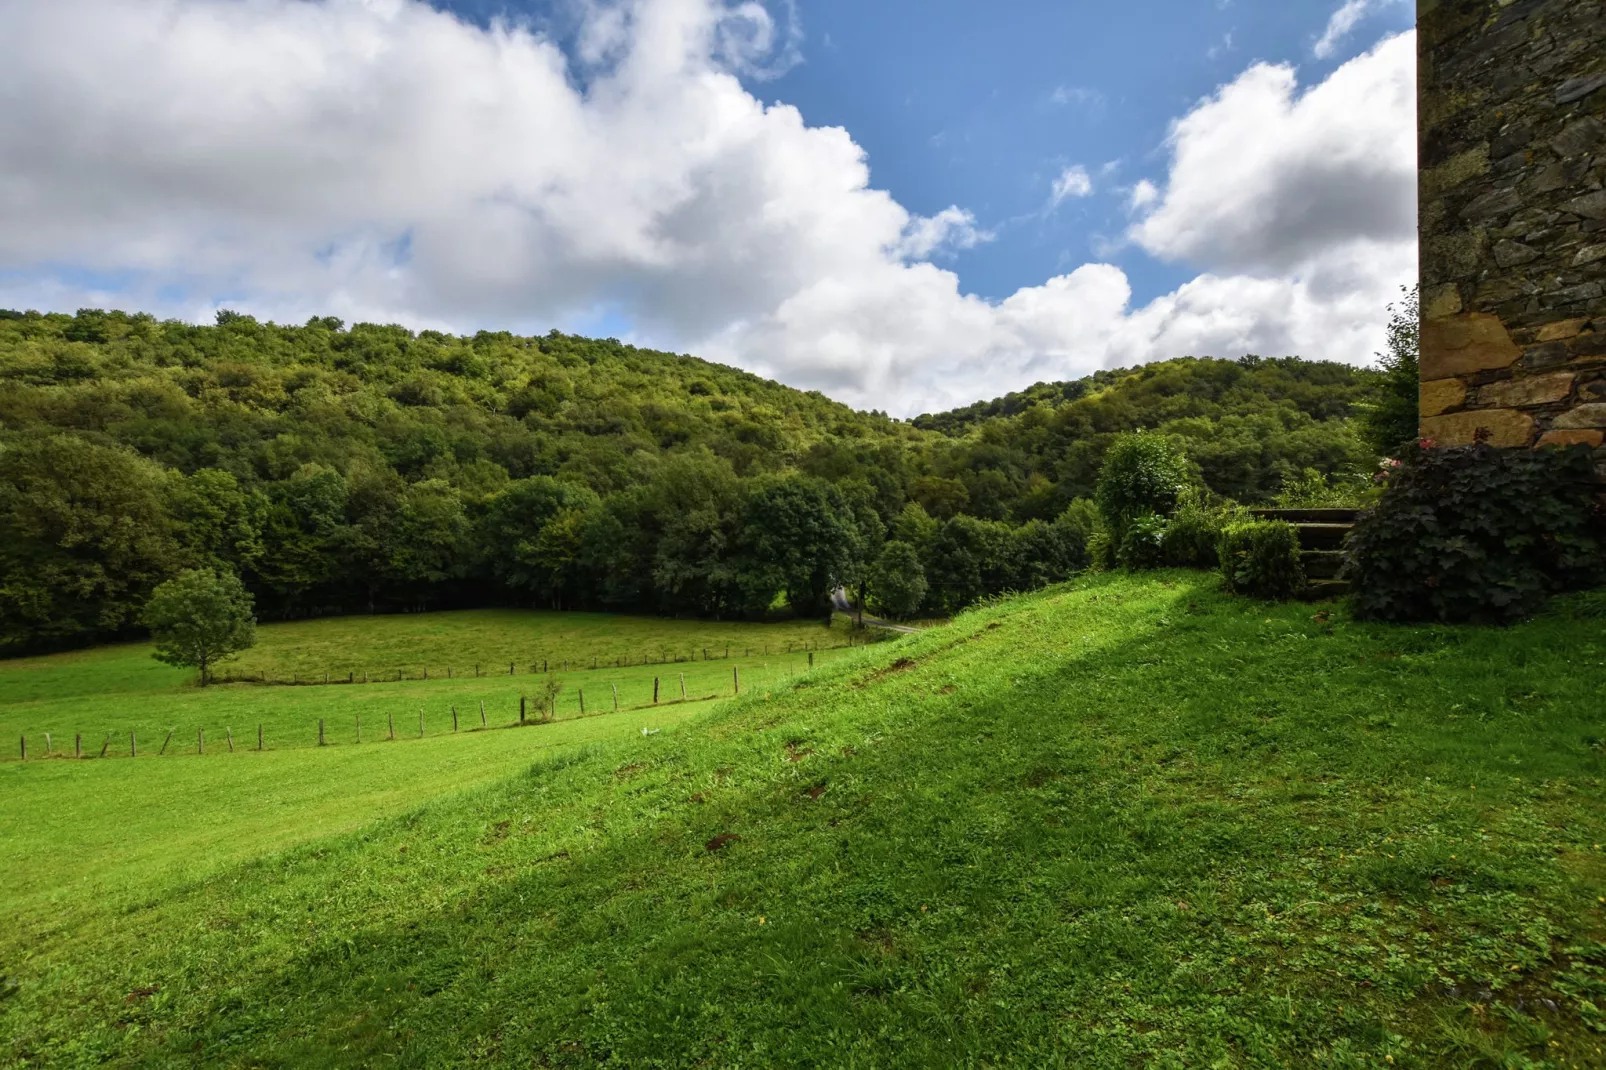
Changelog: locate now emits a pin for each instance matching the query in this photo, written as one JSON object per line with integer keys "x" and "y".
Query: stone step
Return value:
{"x": 1320, "y": 590}
{"x": 1322, "y": 564}
{"x": 1322, "y": 536}
{"x": 1309, "y": 516}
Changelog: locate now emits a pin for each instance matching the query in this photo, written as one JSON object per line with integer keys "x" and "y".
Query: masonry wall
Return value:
{"x": 1512, "y": 135}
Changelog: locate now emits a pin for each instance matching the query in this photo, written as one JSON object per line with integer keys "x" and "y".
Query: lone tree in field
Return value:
{"x": 199, "y": 618}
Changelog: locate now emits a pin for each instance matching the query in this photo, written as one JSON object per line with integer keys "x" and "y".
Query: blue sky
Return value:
{"x": 905, "y": 205}
{"x": 983, "y": 104}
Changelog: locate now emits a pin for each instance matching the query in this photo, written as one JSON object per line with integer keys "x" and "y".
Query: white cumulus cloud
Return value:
{"x": 382, "y": 160}
{"x": 1343, "y": 23}
{"x": 1074, "y": 181}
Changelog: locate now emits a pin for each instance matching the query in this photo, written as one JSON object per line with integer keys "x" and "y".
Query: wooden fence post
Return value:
{"x": 736, "y": 680}
{"x": 200, "y": 741}
{"x": 521, "y": 709}
{"x": 655, "y": 690}
{"x": 166, "y": 741}
{"x": 106, "y": 744}
{"x": 351, "y": 677}
{"x": 454, "y": 718}
{"x": 359, "y": 728}
{"x": 24, "y": 748}
{"x": 230, "y": 733}
{"x": 683, "y": 687}
{"x": 482, "y": 713}
{"x": 320, "y": 732}
{"x": 448, "y": 672}
{"x": 259, "y": 739}
{"x": 426, "y": 674}
{"x": 510, "y": 668}
{"x": 391, "y": 718}
{"x": 133, "y": 746}
{"x": 420, "y": 722}
{"x": 582, "y": 692}
{"x": 615, "y": 697}
{"x": 78, "y": 745}
{"x": 476, "y": 670}
{"x": 50, "y": 745}
{"x": 811, "y": 659}
{"x": 543, "y": 666}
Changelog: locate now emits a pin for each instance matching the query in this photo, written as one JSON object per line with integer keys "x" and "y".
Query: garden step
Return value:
{"x": 1309, "y": 516}
{"x": 1322, "y": 536}
{"x": 1317, "y": 590}
{"x": 1322, "y": 564}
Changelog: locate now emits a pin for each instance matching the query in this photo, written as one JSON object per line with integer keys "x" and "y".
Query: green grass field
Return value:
{"x": 1127, "y": 821}
{"x": 104, "y": 695}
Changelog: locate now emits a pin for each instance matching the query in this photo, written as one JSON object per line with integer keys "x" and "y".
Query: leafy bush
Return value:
{"x": 1191, "y": 536}
{"x": 1475, "y": 533}
{"x": 1141, "y": 546}
{"x": 1312, "y": 490}
{"x": 1391, "y": 417}
{"x": 1260, "y": 558}
{"x": 1143, "y": 474}
{"x": 1100, "y": 551}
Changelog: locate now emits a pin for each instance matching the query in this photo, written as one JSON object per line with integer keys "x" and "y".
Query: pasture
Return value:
{"x": 1123, "y": 821}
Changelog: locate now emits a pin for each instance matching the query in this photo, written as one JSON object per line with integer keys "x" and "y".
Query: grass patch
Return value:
{"x": 1122, "y": 822}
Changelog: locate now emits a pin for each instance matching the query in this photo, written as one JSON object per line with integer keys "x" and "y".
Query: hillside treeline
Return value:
{"x": 372, "y": 468}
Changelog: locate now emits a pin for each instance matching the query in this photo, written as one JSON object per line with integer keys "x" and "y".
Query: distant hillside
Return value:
{"x": 1250, "y": 424}
{"x": 370, "y": 468}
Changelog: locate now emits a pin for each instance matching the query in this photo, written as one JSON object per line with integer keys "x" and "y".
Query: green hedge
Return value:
{"x": 1260, "y": 558}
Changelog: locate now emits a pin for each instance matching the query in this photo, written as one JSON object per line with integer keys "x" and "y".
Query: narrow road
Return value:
{"x": 844, "y": 604}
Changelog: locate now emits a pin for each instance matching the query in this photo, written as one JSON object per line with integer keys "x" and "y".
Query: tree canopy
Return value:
{"x": 373, "y": 468}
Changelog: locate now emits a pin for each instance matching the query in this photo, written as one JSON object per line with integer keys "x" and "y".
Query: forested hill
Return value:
{"x": 342, "y": 469}
{"x": 1248, "y": 423}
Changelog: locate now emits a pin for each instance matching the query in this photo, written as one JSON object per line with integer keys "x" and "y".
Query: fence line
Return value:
{"x": 546, "y": 665}
{"x": 547, "y": 713}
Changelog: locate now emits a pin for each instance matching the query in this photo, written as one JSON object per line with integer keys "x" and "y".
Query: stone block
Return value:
{"x": 1562, "y": 330}
{"x": 1509, "y": 253}
{"x": 1469, "y": 342}
{"x": 1499, "y": 202}
{"x": 1506, "y": 427}
{"x": 1590, "y": 205}
{"x": 1583, "y": 136}
{"x": 1571, "y": 438}
{"x": 1442, "y": 395}
{"x": 1589, "y": 344}
{"x": 1532, "y": 390}
{"x": 1584, "y": 416}
{"x": 1538, "y": 358}
{"x": 1434, "y": 181}
{"x": 1444, "y": 303}
{"x": 1578, "y": 88}
{"x": 1589, "y": 254}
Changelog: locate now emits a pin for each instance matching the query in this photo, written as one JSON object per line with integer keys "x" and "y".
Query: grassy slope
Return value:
{"x": 1125, "y": 821}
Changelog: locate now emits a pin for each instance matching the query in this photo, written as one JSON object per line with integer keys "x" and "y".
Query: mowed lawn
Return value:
{"x": 1126, "y": 821}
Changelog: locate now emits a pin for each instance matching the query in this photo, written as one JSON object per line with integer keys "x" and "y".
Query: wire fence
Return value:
{"x": 539, "y": 665}
{"x": 555, "y": 703}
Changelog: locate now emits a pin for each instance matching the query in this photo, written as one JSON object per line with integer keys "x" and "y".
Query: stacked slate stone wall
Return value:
{"x": 1512, "y": 101}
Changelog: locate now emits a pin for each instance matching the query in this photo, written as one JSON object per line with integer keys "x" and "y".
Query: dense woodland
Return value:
{"x": 372, "y": 468}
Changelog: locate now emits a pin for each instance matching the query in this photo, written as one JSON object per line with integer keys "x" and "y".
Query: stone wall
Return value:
{"x": 1512, "y": 135}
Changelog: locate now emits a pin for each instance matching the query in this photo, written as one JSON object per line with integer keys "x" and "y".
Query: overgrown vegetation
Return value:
{"x": 1392, "y": 415}
{"x": 370, "y": 468}
{"x": 1128, "y": 821}
{"x": 1260, "y": 559}
{"x": 1477, "y": 533}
